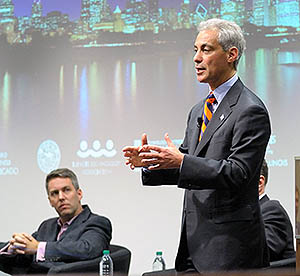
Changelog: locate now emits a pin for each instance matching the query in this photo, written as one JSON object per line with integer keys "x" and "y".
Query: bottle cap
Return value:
{"x": 159, "y": 253}
{"x": 105, "y": 252}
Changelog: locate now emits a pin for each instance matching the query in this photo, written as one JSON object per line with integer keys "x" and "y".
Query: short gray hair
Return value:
{"x": 230, "y": 35}
{"x": 62, "y": 173}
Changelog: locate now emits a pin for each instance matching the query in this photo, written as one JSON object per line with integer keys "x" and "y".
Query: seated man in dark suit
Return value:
{"x": 76, "y": 235}
{"x": 278, "y": 227}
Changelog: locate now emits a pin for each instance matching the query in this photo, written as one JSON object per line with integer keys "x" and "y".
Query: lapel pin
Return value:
{"x": 222, "y": 117}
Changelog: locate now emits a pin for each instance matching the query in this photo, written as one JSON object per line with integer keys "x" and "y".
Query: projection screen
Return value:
{"x": 81, "y": 79}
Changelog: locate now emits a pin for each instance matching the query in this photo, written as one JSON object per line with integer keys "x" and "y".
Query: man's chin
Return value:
{"x": 65, "y": 217}
{"x": 201, "y": 79}
{"x": 64, "y": 213}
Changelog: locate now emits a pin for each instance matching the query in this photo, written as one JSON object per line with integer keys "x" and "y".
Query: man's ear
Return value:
{"x": 233, "y": 53}
{"x": 261, "y": 185}
{"x": 79, "y": 193}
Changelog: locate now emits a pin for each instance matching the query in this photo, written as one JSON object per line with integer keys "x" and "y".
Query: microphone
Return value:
{"x": 199, "y": 122}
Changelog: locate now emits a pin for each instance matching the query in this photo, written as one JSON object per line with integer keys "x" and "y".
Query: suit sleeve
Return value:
{"x": 160, "y": 177}
{"x": 3, "y": 244}
{"x": 92, "y": 240}
{"x": 233, "y": 157}
{"x": 276, "y": 224}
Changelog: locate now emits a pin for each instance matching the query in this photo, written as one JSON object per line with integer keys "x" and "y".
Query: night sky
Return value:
{"x": 72, "y": 7}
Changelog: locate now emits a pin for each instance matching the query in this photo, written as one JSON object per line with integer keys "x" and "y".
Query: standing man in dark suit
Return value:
{"x": 278, "y": 227}
{"x": 77, "y": 234}
{"x": 218, "y": 163}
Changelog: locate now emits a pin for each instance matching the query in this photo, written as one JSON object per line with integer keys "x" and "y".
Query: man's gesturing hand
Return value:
{"x": 132, "y": 154}
{"x": 155, "y": 157}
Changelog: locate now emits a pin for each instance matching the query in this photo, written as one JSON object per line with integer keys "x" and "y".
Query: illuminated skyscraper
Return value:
{"x": 6, "y": 11}
{"x": 153, "y": 10}
{"x": 105, "y": 11}
{"x": 264, "y": 12}
{"x": 94, "y": 12}
{"x": 37, "y": 9}
{"x": 276, "y": 12}
{"x": 136, "y": 14}
{"x": 214, "y": 8}
{"x": 56, "y": 20}
{"x": 90, "y": 12}
{"x": 233, "y": 10}
{"x": 185, "y": 14}
{"x": 272, "y": 13}
{"x": 287, "y": 13}
{"x": 118, "y": 22}
{"x": 199, "y": 14}
{"x": 84, "y": 15}
{"x": 36, "y": 15}
{"x": 24, "y": 23}
{"x": 168, "y": 19}
{"x": 259, "y": 10}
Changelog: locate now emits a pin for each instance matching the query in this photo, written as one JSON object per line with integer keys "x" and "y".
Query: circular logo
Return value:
{"x": 48, "y": 156}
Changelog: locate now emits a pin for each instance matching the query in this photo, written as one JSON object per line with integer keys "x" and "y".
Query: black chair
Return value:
{"x": 167, "y": 272}
{"x": 121, "y": 259}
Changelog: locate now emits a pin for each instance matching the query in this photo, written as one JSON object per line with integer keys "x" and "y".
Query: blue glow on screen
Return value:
{"x": 84, "y": 106}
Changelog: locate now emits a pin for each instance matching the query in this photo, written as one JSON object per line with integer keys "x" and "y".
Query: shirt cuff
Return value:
{"x": 40, "y": 253}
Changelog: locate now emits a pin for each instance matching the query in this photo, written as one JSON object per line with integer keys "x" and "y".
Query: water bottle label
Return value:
{"x": 106, "y": 267}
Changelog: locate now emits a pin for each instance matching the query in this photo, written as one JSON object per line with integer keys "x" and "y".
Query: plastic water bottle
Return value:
{"x": 106, "y": 264}
{"x": 159, "y": 262}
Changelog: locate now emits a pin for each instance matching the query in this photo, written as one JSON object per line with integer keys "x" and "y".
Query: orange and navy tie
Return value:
{"x": 207, "y": 113}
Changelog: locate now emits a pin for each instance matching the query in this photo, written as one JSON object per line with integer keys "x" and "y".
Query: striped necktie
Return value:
{"x": 207, "y": 112}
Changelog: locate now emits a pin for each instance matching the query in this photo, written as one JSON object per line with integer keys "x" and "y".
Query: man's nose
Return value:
{"x": 61, "y": 195}
{"x": 198, "y": 57}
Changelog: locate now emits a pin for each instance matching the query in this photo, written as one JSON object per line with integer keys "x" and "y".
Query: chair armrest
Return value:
{"x": 290, "y": 262}
{"x": 81, "y": 266}
{"x": 121, "y": 260}
{"x": 121, "y": 257}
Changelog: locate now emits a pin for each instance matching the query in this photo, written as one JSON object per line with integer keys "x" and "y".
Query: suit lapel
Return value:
{"x": 221, "y": 114}
{"x": 196, "y": 132}
{"x": 53, "y": 234}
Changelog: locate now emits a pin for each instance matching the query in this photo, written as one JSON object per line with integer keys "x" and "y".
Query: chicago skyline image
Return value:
{"x": 93, "y": 23}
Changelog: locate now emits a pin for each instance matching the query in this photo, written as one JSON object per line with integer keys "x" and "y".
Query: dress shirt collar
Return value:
{"x": 261, "y": 196}
{"x": 68, "y": 223}
{"x": 222, "y": 89}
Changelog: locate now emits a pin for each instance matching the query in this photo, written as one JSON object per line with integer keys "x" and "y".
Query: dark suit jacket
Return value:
{"x": 279, "y": 230}
{"x": 222, "y": 227}
{"x": 86, "y": 238}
